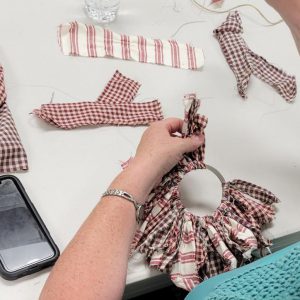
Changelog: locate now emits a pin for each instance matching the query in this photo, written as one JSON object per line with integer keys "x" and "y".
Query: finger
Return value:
{"x": 173, "y": 124}
{"x": 192, "y": 143}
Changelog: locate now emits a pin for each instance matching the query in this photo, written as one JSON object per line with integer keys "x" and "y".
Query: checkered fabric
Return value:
{"x": 244, "y": 62}
{"x": 2, "y": 87}
{"x": 94, "y": 41}
{"x": 119, "y": 89}
{"x": 113, "y": 107}
{"x": 12, "y": 154}
{"x": 192, "y": 248}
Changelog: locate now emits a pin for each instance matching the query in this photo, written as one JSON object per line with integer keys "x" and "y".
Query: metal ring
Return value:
{"x": 217, "y": 173}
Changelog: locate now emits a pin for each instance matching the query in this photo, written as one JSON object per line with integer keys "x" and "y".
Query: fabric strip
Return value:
{"x": 12, "y": 154}
{"x": 73, "y": 115}
{"x": 119, "y": 89}
{"x": 244, "y": 62}
{"x": 113, "y": 107}
{"x": 2, "y": 87}
{"x": 93, "y": 41}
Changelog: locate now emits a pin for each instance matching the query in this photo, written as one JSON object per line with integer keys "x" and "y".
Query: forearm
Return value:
{"x": 94, "y": 265}
{"x": 290, "y": 12}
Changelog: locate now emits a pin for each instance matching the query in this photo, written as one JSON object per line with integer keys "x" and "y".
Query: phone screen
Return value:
{"x": 22, "y": 242}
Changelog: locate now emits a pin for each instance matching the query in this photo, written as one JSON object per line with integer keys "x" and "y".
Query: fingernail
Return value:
{"x": 199, "y": 138}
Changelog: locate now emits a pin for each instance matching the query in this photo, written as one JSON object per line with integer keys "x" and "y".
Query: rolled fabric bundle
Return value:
{"x": 12, "y": 154}
{"x": 244, "y": 62}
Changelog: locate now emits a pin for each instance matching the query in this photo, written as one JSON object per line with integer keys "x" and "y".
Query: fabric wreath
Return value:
{"x": 192, "y": 248}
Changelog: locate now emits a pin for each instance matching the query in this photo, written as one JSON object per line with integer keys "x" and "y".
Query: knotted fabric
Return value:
{"x": 114, "y": 107}
{"x": 12, "y": 154}
{"x": 192, "y": 248}
{"x": 94, "y": 41}
{"x": 244, "y": 62}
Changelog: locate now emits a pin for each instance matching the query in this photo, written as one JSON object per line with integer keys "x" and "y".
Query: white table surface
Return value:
{"x": 257, "y": 140}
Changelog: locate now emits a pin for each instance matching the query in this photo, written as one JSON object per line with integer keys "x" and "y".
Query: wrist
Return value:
{"x": 136, "y": 179}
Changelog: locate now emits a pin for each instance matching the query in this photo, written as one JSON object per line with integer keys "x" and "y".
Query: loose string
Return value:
{"x": 235, "y": 7}
{"x": 184, "y": 24}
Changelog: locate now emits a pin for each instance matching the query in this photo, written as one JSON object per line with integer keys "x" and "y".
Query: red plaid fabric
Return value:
{"x": 192, "y": 248}
{"x": 114, "y": 107}
{"x": 73, "y": 115}
{"x": 244, "y": 62}
{"x": 2, "y": 87}
{"x": 12, "y": 154}
{"x": 120, "y": 89}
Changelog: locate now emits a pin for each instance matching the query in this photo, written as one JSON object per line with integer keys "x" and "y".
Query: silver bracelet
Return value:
{"x": 139, "y": 208}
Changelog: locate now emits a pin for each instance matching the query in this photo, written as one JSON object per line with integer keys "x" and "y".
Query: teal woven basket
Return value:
{"x": 276, "y": 277}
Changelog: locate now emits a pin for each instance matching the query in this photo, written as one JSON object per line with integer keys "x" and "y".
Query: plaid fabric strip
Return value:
{"x": 12, "y": 154}
{"x": 73, "y": 115}
{"x": 93, "y": 41}
{"x": 192, "y": 248}
{"x": 255, "y": 191}
{"x": 2, "y": 87}
{"x": 244, "y": 62}
{"x": 119, "y": 89}
{"x": 113, "y": 107}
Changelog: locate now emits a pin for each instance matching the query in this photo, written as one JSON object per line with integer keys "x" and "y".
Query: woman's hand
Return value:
{"x": 158, "y": 152}
{"x": 290, "y": 12}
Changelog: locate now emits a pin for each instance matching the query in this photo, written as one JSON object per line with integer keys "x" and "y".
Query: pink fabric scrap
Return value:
{"x": 217, "y": 2}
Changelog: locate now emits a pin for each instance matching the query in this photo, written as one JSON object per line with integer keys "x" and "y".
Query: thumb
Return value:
{"x": 190, "y": 144}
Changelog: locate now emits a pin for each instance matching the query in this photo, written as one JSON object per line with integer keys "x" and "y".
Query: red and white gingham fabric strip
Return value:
{"x": 245, "y": 62}
{"x": 94, "y": 41}
{"x": 2, "y": 87}
{"x": 73, "y": 115}
{"x": 12, "y": 154}
{"x": 255, "y": 191}
{"x": 113, "y": 107}
{"x": 192, "y": 248}
{"x": 119, "y": 89}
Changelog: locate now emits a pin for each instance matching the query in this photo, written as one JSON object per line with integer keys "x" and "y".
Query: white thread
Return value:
{"x": 52, "y": 97}
{"x": 235, "y": 7}
{"x": 46, "y": 86}
{"x": 184, "y": 24}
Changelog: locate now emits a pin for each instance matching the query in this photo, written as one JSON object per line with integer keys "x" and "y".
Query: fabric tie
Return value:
{"x": 94, "y": 41}
{"x": 244, "y": 62}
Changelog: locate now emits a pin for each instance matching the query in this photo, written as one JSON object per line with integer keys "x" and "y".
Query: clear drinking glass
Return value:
{"x": 102, "y": 11}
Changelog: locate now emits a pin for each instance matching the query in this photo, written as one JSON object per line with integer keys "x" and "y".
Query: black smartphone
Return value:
{"x": 25, "y": 243}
